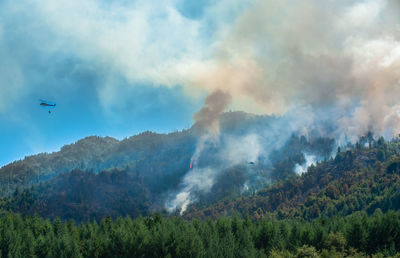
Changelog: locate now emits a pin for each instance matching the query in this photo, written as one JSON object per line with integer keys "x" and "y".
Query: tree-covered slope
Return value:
{"x": 82, "y": 196}
{"x": 358, "y": 179}
{"x": 139, "y": 175}
{"x": 98, "y": 154}
{"x": 158, "y": 164}
{"x": 150, "y": 153}
{"x": 156, "y": 155}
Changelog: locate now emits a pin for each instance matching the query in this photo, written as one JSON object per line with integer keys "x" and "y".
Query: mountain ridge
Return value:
{"x": 160, "y": 164}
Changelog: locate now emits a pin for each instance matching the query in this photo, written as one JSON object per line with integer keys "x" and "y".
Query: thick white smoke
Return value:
{"x": 309, "y": 160}
{"x": 244, "y": 149}
{"x": 197, "y": 180}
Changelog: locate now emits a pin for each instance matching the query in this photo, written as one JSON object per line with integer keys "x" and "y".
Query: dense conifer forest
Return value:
{"x": 356, "y": 235}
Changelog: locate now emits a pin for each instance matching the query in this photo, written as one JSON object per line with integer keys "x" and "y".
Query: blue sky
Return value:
{"x": 46, "y": 57}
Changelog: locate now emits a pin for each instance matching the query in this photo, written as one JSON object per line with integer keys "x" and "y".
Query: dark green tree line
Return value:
{"x": 155, "y": 236}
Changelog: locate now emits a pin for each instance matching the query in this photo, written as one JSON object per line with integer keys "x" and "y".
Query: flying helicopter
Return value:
{"x": 47, "y": 105}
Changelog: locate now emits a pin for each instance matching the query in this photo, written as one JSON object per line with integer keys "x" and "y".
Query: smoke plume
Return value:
{"x": 197, "y": 180}
{"x": 309, "y": 160}
{"x": 340, "y": 58}
{"x": 207, "y": 125}
{"x": 207, "y": 120}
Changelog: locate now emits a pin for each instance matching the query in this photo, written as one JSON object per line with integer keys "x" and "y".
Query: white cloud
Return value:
{"x": 363, "y": 13}
{"x": 143, "y": 42}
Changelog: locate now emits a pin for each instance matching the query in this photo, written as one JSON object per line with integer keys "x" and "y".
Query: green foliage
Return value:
{"x": 393, "y": 166}
{"x": 155, "y": 236}
{"x": 148, "y": 153}
{"x": 97, "y": 176}
{"x": 307, "y": 252}
{"x": 82, "y": 195}
{"x": 336, "y": 242}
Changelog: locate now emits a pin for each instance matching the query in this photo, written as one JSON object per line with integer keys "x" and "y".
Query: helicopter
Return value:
{"x": 47, "y": 105}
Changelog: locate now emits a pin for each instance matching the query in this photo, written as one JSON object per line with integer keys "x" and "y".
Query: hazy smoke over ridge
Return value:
{"x": 342, "y": 57}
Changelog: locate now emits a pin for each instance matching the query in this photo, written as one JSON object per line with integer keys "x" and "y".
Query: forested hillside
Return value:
{"x": 363, "y": 177}
{"x": 151, "y": 154}
{"x": 82, "y": 196}
{"x": 99, "y": 154}
{"x": 154, "y": 155}
{"x": 81, "y": 181}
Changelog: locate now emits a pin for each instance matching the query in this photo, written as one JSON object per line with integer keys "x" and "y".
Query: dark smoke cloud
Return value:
{"x": 207, "y": 118}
